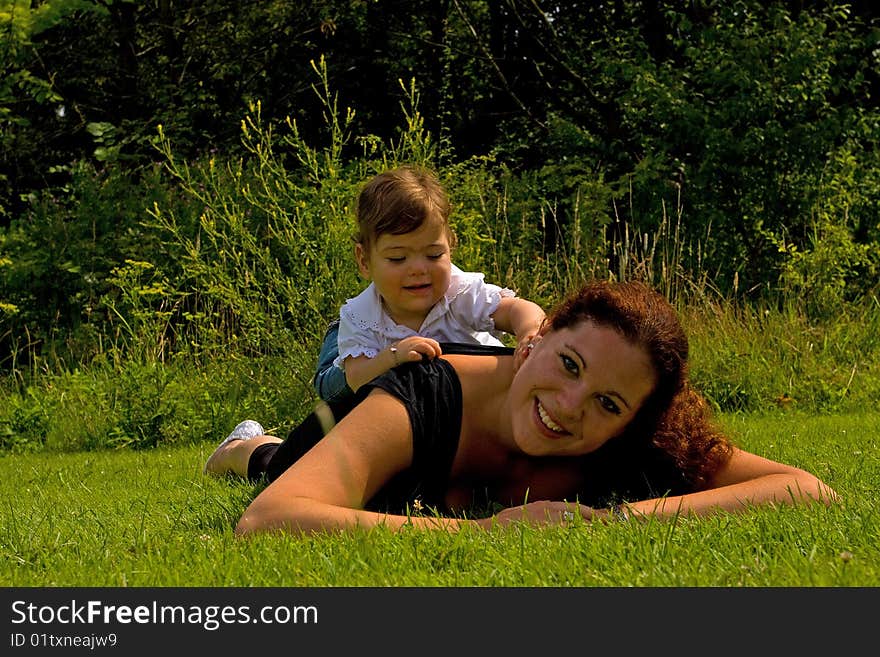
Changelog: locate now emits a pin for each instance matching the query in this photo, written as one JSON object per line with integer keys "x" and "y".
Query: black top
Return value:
{"x": 431, "y": 393}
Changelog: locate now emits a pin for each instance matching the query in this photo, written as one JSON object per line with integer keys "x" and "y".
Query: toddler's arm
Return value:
{"x": 362, "y": 369}
{"x": 519, "y": 317}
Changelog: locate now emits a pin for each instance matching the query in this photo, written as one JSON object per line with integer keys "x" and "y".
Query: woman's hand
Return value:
{"x": 544, "y": 513}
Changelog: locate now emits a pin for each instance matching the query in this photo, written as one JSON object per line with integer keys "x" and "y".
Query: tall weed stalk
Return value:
{"x": 269, "y": 259}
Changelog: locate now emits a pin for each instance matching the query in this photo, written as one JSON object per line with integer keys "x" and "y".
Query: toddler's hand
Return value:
{"x": 414, "y": 348}
{"x": 524, "y": 348}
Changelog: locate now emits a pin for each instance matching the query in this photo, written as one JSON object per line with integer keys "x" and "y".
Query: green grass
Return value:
{"x": 150, "y": 518}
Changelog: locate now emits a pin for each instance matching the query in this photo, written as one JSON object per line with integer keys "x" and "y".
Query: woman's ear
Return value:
{"x": 363, "y": 260}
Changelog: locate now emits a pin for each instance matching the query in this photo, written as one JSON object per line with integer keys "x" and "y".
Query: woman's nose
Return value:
{"x": 572, "y": 399}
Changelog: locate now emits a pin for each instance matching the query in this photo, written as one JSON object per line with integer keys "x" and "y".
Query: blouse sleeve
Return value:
{"x": 358, "y": 330}
{"x": 476, "y": 300}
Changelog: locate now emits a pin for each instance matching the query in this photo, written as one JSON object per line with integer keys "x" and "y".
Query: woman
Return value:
{"x": 597, "y": 420}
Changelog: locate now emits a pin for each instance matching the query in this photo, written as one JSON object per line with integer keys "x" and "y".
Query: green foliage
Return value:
{"x": 25, "y": 420}
{"x": 840, "y": 263}
{"x": 269, "y": 259}
{"x": 754, "y": 135}
{"x": 141, "y": 405}
{"x": 747, "y": 129}
{"x": 270, "y": 253}
{"x": 744, "y": 360}
{"x": 57, "y": 263}
{"x": 749, "y": 359}
{"x": 739, "y": 112}
{"x": 25, "y": 83}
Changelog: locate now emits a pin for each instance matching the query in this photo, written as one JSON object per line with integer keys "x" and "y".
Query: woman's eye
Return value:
{"x": 569, "y": 364}
{"x": 609, "y": 405}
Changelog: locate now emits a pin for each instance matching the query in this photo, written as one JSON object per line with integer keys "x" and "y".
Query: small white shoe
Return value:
{"x": 244, "y": 431}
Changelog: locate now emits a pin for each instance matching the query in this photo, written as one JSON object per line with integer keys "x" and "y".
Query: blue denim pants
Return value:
{"x": 329, "y": 380}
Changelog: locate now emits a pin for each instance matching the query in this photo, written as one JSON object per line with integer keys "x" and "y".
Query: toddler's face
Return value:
{"x": 411, "y": 271}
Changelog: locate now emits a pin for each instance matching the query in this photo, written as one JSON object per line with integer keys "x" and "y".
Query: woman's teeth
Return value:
{"x": 548, "y": 421}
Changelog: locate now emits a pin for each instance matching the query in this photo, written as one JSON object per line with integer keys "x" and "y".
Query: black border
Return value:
{"x": 456, "y": 621}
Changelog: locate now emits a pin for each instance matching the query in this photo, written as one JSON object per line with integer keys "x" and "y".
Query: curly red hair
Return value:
{"x": 674, "y": 427}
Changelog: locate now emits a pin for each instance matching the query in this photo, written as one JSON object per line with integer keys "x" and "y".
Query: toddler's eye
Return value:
{"x": 435, "y": 256}
{"x": 396, "y": 259}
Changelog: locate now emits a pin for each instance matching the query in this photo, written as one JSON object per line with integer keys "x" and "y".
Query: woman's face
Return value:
{"x": 578, "y": 388}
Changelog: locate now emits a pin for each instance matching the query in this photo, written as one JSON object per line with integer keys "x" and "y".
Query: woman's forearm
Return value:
{"x": 781, "y": 488}
{"x": 302, "y": 515}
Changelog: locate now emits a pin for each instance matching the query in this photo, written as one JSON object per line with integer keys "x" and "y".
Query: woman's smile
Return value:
{"x": 546, "y": 421}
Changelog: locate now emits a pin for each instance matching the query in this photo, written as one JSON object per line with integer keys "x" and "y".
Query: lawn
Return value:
{"x": 129, "y": 518}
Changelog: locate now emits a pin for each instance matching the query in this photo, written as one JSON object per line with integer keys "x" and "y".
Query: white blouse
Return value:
{"x": 462, "y": 315}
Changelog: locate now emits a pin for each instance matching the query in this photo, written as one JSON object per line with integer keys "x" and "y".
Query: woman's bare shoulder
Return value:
{"x": 484, "y": 382}
{"x": 480, "y": 364}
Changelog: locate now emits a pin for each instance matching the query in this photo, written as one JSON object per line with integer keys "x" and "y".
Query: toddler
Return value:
{"x": 416, "y": 298}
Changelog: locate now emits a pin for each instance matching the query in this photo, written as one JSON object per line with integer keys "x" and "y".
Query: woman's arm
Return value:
{"x": 329, "y": 486}
{"x": 745, "y": 480}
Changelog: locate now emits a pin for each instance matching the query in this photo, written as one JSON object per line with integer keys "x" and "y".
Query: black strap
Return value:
{"x": 475, "y": 349}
